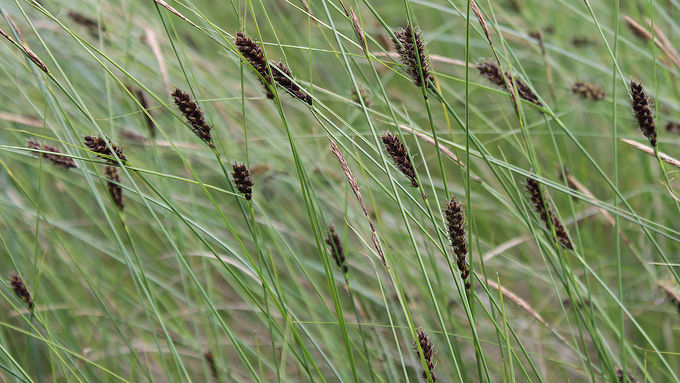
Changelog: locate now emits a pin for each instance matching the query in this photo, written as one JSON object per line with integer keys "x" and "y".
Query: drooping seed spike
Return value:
{"x": 410, "y": 46}
{"x": 455, "y": 222}
{"x": 54, "y": 157}
{"x": 338, "y": 253}
{"x": 98, "y": 145}
{"x": 113, "y": 184}
{"x": 193, "y": 115}
{"x": 242, "y": 179}
{"x": 548, "y": 216}
{"x": 428, "y": 354}
{"x": 397, "y": 150}
{"x": 20, "y": 289}
{"x": 643, "y": 112}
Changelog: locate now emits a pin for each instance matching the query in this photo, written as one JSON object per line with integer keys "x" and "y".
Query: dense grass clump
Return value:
{"x": 332, "y": 191}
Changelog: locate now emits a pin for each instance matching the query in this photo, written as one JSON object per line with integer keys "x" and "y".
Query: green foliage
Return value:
{"x": 191, "y": 281}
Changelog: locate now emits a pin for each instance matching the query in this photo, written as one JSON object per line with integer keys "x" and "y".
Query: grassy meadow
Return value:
{"x": 339, "y": 191}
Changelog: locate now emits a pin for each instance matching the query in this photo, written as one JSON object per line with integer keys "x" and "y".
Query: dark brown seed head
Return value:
{"x": 252, "y": 52}
{"x": 56, "y": 159}
{"x": 193, "y": 115}
{"x": 284, "y": 79}
{"x": 587, "y": 91}
{"x": 549, "y": 218}
{"x": 581, "y": 41}
{"x": 86, "y": 22}
{"x": 492, "y": 72}
{"x": 144, "y": 102}
{"x": 19, "y": 287}
{"x": 625, "y": 378}
{"x": 208, "y": 355}
{"x": 673, "y": 127}
{"x": 410, "y": 46}
{"x": 643, "y": 112}
{"x": 455, "y": 222}
{"x": 98, "y": 145}
{"x": 242, "y": 179}
{"x": 113, "y": 184}
{"x": 428, "y": 353}
{"x": 336, "y": 248}
{"x": 397, "y": 150}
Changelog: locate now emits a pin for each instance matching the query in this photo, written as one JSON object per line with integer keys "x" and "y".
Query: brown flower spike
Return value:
{"x": 428, "y": 353}
{"x": 643, "y": 112}
{"x": 625, "y": 378}
{"x": 242, "y": 179}
{"x": 113, "y": 184}
{"x": 253, "y": 53}
{"x": 492, "y": 72}
{"x": 208, "y": 355}
{"x": 587, "y": 91}
{"x": 548, "y": 216}
{"x": 19, "y": 287}
{"x": 56, "y": 159}
{"x": 455, "y": 222}
{"x": 411, "y": 48}
{"x": 283, "y": 77}
{"x": 397, "y": 150}
{"x": 337, "y": 251}
{"x": 144, "y": 103}
{"x": 194, "y": 116}
{"x": 98, "y": 145}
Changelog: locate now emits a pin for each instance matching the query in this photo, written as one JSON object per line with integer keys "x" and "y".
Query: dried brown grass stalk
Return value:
{"x": 150, "y": 39}
{"x": 355, "y": 188}
{"x": 442, "y": 148}
{"x": 663, "y": 156}
{"x": 23, "y": 46}
{"x": 672, "y": 295}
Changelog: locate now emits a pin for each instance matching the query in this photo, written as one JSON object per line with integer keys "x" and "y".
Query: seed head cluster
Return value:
{"x": 411, "y": 48}
{"x": 144, "y": 102}
{"x": 20, "y": 289}
{"x": 98, "y": 145}
{"x": 588, "y": 91}
{"x": 397, "y": 150}
{"x": 253, "y": 53}
{"x": 284, "y": 79}
{"x": 56, "y": 159}
{"x": 113, "y": 184}
{"x": 242, "y": 179}
{"x": 643, "y": 112}
{"x": 626, "y": 377}
{"x": 337, "y": 251}
{"x": 492, "y": 72}
{"x": 428, "y": 353}
{"x": 546, "y": 213}
{"x": 193, "y": 115}
{"x": 455, "y": 222}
